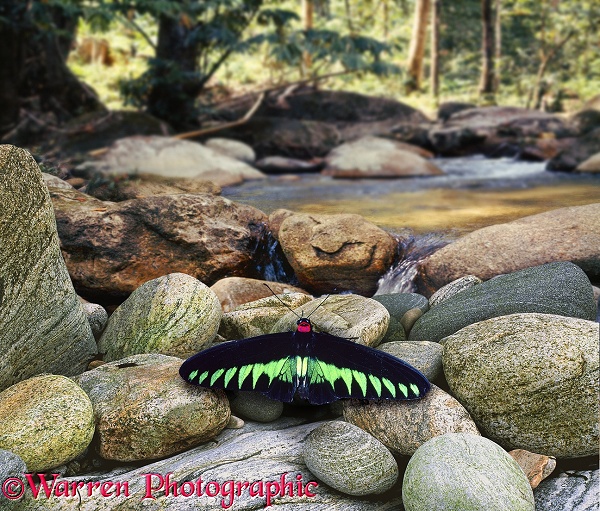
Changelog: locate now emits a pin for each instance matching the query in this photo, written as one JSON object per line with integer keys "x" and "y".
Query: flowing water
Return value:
{"x": 475, "y": 192}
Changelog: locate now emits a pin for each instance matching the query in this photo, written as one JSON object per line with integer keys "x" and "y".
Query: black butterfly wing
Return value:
{"x": 266, "y": 364}
{"x": 338, "y": 368}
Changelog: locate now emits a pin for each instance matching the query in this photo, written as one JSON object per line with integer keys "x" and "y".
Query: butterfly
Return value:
{"x": 317, "y": 367}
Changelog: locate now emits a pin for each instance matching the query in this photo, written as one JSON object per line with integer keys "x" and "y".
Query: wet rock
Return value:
{"x": 46, "y": 420}
{"x": 349, "y": 460}
{"x": 235, "y": 291}
{"x": 354, "y": 317}
{"x": 423, "y": 355}
{"x": 232, "y": 148}
{"x": 342, "y": 252}
{"x": 453, "y": 288}
{"x": 535, "y": 466}
{"x": 260, "y": 316}
{"x": 96, "y": 315}
{"x": 553, "y": 288}
{"x": 378, "y": 157}
{"x": 280, "y": 165}
{"x": 174, "y": 315}
{"x": 580, "y": 150}
{"x": 570, "y": 491}
{"x": 255, "y": 407}
{"x": 399, "y": 305}
{"x": 592, "y": 164}
{"x": 169, "y": 157}
{"x": 530, "y": 381}
{"x": 403, "y": 426}
{"x": 112, "y": 249}
{"x": 42, "y": 325}
{"x": 144, "y": 410}
{"x": 466, "y": 472}
{"x": 565, "y": 234}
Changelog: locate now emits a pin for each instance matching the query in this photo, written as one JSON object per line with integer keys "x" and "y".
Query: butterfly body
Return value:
{"x": 317, "y": 367}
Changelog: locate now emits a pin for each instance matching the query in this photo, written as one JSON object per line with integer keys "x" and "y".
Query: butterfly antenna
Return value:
{"x": 307, "y": 317}
{"x": 285, "y": 304}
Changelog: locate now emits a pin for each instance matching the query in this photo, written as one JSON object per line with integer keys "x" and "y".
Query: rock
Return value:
{"x": 336, "y": 252}
{"x": 112, "y": 249}
{"x": 586, "y": 120}
{"x": 467, "y": 473}
{"x": 449, "y": 108}
{"x": 535, "y": 466}
{"x": 580, "y": 150}
{"x": 256, "y": 407}
{"x": 138, "y": 186}
{"x": 423, "y": 355}
{"x": 410, "y": 318}
{"x": 565, "y": 234}
{"x": 47, "y": 420}
{"x": 235, "y": 291}
{"x": 232, "y": 148}
{"x": 530, "y": 381}
{"x": 172, "y": 158}
{"x": 349, "y": 460}
{"x": 403, "y": 426}
{"x": 453, "y": 288}
{"x": 592, "y": 164}
{"x": 349, "y": 316}
{"x": 11, "y": 466}
{"x": 553, "y": 288}
{"x": 144, "y": 410}
{"x": 398, "y": 305}
{"x": 378, "y": 157}
{"x": 570, "y": 491}
{"x": 271, "y": 453}
{"x": 280, "y": 165}
{"x": 260, "y": 316}
{"x": 174, "y": 315}
{"x": 96, "y": 315}
{"x": 42, "y": 325}
{"x": 55, "y": 182}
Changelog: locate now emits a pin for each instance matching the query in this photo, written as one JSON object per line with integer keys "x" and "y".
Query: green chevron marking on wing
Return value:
{"x": 376, "y": 382}
{"x": 390, "y": 386}
{"x": 193, "y": 374}
{"x": 404, "y": 389}
{"x": 229, "y": 374}
{"x": 361, "y": 379}
{"x": 245, "y": 370}
{"x": 414, "y": 389}
{"x": 216, "y": 375}
{"x": 202, "y": 377}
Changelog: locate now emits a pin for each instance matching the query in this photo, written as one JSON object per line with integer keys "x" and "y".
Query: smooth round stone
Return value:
{"x": 232, "y": 148}
{"x": 422, "y": 355}
{"x": 403, "y": 426}
{"x": 255, "y": 406}
{"x": 47, "y": 420}
{"x": 398, "y": 305}
{"x": 350, "y": 460}
{"x": 453, "y": 288}
{"x": 464, "y": 472}
{"x": 97, "y": 317}
{"x": 174, "y": 315}
{"x": 530, "y": 381}
{"x": 349, "y": 316}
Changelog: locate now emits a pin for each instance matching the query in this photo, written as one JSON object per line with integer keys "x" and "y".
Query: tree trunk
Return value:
{"x": 498, "y": 45}
{"x": 416, "y": 50}
{"x": 307, "y": 22}
{"x": 486, "y": 84}
{"x": 435, "y": 48}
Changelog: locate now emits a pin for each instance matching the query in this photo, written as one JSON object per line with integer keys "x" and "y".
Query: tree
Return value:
{"x": 416, "y": 50}
{"x": 487, "y": 81}
{"x": 435, "y": 48}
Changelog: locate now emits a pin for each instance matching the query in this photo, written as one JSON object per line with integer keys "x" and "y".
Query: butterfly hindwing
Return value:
{"x": 339, "y": 368}
{"x": 266, "y": 364}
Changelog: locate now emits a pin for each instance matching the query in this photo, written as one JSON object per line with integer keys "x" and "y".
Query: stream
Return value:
{"x": 475, "y": 192}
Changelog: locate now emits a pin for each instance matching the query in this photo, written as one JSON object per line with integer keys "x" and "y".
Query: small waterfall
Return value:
{"x": 271, "y": 263}
{"x": 400, "y": 278}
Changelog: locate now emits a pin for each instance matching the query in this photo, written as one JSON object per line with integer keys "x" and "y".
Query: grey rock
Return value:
{"x": 232, "y": 148}
{"x": 175, "y": 315}
{"x": 464, "y": 472}
{"x": 97, "y": 317}
{"x": 554, "y": 288}
{"x": 570, "y": 491}
{"x": 42, "y": 325}
{"x": 10, "y": 466}
{"x": 530, "y": 381}
{"x": 256, "y": 452}
{"x": 403, "y": 426}
{"x": 55, "y": 182}
{"x": 47, "y": 420}
{"x": 453, "y": 288}
{"x": 256, "y": 407}
{"x": 399, "y": 304}
{"x": 425, "y": 356}
{"x": 350, "y": 460}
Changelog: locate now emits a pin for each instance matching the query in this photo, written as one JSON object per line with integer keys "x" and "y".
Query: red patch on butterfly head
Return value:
{"x": 304, "y": 325}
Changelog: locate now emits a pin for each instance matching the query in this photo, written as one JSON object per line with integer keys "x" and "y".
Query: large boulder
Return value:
{"x": 530, "y": 381}
{"x": 342, "y": 252}
{"x": 577, "y": 152}
{"x": 111, "y": 249}
{"x": 43, "y": 328}
{"x": 565, "y": 234}
{"x": 553, "y": 288}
